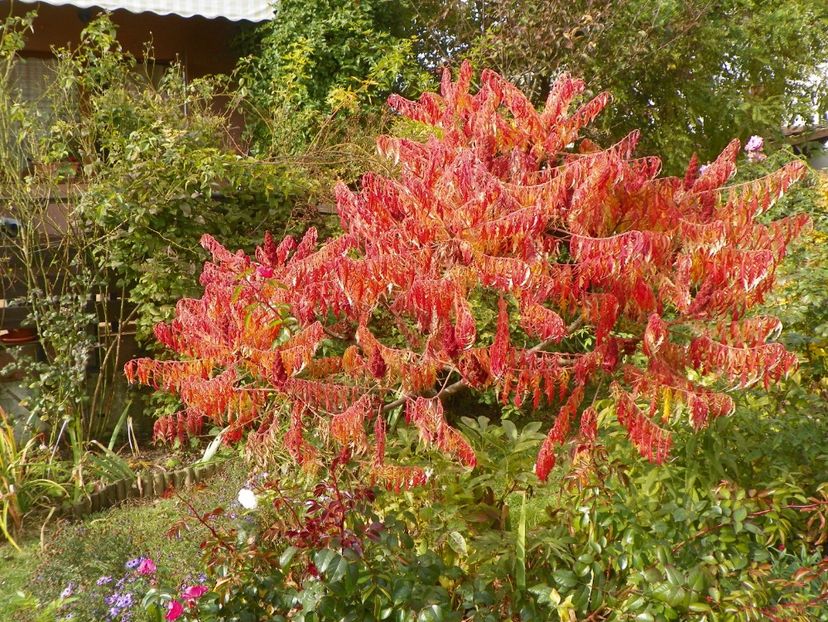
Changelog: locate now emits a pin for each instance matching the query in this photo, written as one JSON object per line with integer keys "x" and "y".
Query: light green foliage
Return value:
{"x": 58, "y": 391}
{"x": 50, "y": 268}
{"x": 319, "y": 73}
{"x": 18, "y": 568}
{"x": 161, "y": 172}
{"x": 698, "y": 539}
{"x": 619, "y": 537}
{"x": 114, "y": 175}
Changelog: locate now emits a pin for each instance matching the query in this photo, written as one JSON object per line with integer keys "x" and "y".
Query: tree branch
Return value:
{"x": 458, "y": 386}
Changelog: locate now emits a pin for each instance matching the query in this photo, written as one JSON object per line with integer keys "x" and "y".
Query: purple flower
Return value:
{"x": 755, "y": 143}
{"x": 67, "y": 592}
{"x": 104, "y": 580}
{"x": 124, "y": 602}
{"x": 133, "y": 563}
{"x": 754, "y": 147}
{"x": 113, "y": 612}
{"x": 202, "y": 578}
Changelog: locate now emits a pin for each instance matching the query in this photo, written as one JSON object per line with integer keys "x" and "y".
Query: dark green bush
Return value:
{"x": 697, "y": 539}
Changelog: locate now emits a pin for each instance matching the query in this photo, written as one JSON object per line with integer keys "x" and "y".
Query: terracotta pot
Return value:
{"x": 18, "y": 336}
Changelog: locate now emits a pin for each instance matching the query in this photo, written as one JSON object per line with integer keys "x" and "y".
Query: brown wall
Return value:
{"x": 204, "y": 45}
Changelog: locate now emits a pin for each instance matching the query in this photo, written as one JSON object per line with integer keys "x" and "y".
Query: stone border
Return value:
{"x": 144, "y": 486}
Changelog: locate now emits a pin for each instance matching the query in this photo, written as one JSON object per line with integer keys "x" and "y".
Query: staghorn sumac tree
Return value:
{"x": 506, "y": 204}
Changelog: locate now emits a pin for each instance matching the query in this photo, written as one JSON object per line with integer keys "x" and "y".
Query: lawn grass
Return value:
{"x": 16, "y": 570}
{"x": 81, "y": 552}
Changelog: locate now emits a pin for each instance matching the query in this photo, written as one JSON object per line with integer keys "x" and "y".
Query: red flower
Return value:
{"x": 174, "y": 610}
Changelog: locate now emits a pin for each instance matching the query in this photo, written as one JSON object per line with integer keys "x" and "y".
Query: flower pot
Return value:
{"x": 18, "y": 336}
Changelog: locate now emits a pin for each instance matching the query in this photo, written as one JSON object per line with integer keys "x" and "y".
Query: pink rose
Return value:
{"x": 193, "y": 592}
{"x": 174, "y": 610}
{"x": 147, "y": 567}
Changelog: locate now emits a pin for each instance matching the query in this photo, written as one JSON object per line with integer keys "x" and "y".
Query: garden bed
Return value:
{"x": 79, "y": 553}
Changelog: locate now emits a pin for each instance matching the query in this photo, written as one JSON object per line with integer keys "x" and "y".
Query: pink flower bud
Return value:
{"x": 755, "y": 143}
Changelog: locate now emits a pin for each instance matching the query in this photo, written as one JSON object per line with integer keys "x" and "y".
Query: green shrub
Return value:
{"x": 614, "y": 539}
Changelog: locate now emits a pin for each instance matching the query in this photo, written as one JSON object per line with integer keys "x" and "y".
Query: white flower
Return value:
{"x": 248, "y": 499}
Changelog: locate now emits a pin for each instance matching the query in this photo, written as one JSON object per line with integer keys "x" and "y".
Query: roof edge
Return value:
{"x": 263, "y": 10}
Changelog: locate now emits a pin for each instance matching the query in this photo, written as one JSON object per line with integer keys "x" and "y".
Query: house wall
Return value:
{"x": 203, "y": 45}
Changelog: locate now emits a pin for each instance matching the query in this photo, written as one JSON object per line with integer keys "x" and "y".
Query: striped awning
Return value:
{"x": 234, "y": 10}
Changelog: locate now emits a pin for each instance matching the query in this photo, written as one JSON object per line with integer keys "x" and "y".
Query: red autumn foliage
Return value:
{"x": 503, "y": 202}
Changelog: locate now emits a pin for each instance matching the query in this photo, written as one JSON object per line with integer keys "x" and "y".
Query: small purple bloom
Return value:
{"x": 202, "y": 578}
{"x": 104, "y": 580}
{"x": 67, "y": 592}
{"x": 755, "y": 143}
{"x": 132, "y": 564}
{"x": 124, "y": 602}
{"x": 113, "y": 612}
{"x": 753, "y": 149}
